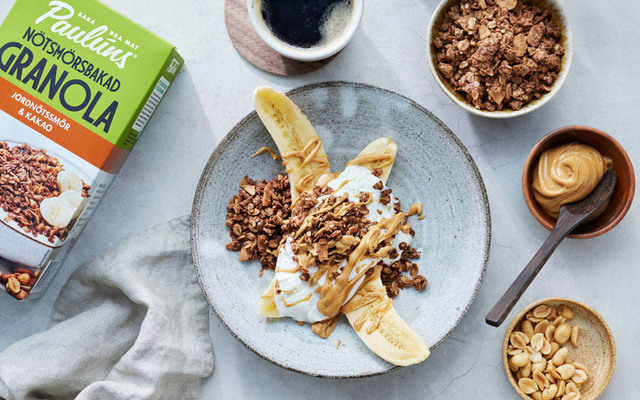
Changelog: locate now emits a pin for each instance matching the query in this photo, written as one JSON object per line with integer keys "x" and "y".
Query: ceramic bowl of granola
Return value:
{"x": 559, "y": 348}
{"x": 499, "y": 58}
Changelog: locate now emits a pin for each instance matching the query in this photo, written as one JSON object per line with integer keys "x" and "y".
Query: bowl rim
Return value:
{"x": 527, "y": 192}
{"x": 502, "y": 114}
{"x": 298, "y": 53}
{"x": 570, "y": 301}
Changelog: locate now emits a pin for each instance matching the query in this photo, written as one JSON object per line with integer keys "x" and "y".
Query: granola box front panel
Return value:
{"x": 78, "y": 84}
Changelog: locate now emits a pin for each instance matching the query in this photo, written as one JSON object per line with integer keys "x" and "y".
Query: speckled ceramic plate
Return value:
{"x": 432, "y": 167}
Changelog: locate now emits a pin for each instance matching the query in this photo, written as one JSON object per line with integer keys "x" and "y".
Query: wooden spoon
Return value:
{"x": 570, "y": 216}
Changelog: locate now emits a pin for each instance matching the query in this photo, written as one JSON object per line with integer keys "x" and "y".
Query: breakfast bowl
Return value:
{"x": 622, "y": 197}
{"x": 591, "y": 349}
{"x": 314, "y": 53}
{"x": 432, "y": 166}
{"x": 559, "y": 18}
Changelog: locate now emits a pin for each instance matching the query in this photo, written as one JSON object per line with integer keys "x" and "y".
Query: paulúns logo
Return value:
{"x": 92, "y": 40}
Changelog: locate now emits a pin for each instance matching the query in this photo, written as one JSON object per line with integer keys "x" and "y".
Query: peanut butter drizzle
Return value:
{"x": 335, "y": 291}
{"x": 343, "y": 184}
{"x": 415, "y": 209}
{"x": 302, "y": 300}
{"x": 308, "y": 155}
{"x": 268, "y": 150}
{"x": 288, "y": 270}
{"x": 326, "y": 208}
{"x": 373, "y": 316}
{"x": 366, "y": 295}
{"x": 387, "y": 159}
{"x": 326, "y": 327}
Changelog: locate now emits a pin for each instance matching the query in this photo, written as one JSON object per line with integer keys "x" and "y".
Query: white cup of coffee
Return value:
{"x": 306, "y": 30}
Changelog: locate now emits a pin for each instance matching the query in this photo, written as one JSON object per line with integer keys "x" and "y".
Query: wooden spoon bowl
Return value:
{"x": 620, "y": 200}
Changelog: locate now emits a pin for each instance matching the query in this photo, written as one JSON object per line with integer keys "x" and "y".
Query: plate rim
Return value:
{"x": 213, "y": 159}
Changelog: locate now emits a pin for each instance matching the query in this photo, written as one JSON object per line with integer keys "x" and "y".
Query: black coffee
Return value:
{"x": 306, "y": 23}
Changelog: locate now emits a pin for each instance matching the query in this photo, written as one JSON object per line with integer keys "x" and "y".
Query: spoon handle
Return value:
{"x": 503, "y": 307}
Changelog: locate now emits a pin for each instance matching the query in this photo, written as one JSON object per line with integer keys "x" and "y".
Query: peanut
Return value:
{"x": 550, "y": 392}
{"x": 562, "y": 333}
{"x": 540, "y": 379}
{"x": 520, "y": 360}
{"x": 541, "y": 326}
{"x": 525, "y": 371}
{"x": 24, "y": 279}
{"x": 539, "y": 366}
{"x": 560, "y": 357}
{"x": 579, "y": 376}
{"x": 519, "y": 340}
{"x": 575, "y": 331}
{"x": 565, "y": 311}
{"x": 537, "y": 341}
{"x": 527, "y": 328}
{"x": 527, "y": 385}
{"x": 548, "y": 333}
{"x": 572, "y": 388}
{"x": 566, "y": 371}
{"x": 542, "y": 311}
{"x": 13, "y": 285}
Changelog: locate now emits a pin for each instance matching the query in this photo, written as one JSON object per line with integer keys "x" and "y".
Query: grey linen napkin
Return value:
{"x": 130, "y": 324}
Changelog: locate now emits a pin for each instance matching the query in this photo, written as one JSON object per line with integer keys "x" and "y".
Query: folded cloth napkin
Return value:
{"x": 130, "y": 324}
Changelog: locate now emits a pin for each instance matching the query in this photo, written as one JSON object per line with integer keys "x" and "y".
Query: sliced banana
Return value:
{"x": 56, "y": 212}
{"x": 378, "y": 324}
{"x": 267, "y": 307}
{"x": 73, "y": 198}
{"x": 68, "y": 180}
{"x": 387, "y": 335}
{"x": 381, "y": 153}
{"x": 300, "y": 147}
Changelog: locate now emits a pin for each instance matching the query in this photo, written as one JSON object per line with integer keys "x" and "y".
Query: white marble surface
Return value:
{"x": 213, "y": 92}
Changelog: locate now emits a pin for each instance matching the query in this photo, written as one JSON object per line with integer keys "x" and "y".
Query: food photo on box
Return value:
{"x": 330, "y": 199}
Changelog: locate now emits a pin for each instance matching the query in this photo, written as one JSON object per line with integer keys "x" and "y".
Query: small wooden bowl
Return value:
{"x": 596, "y": 348}
{"x": 622, "y": 197}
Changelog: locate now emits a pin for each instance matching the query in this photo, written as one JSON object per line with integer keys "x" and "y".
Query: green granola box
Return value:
{"x": 78, "y": 84}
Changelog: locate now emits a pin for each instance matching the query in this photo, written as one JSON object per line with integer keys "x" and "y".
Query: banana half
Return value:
{"x": 299, "y": 145}
{"x": 377, "y": 323}
{"x": 383, "y": 331}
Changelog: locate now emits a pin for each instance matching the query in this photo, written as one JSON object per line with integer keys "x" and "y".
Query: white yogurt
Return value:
{"x": 299, "y": 295}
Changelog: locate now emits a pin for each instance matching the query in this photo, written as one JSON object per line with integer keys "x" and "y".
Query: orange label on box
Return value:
{"x": 62, "y": 130}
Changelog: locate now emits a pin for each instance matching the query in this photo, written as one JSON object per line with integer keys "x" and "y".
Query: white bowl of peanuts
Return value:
{"x": 558, "y": 348}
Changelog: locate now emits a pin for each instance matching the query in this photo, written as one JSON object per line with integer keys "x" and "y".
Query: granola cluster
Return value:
{"x": 255, "y": 217}
{"x": 499, "y": 53}
{"x": 394, "y": 278}
{"x": 28, "y": 176}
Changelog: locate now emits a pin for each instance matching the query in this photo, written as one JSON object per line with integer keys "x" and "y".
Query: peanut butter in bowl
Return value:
{"x": 566, "y": 174}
